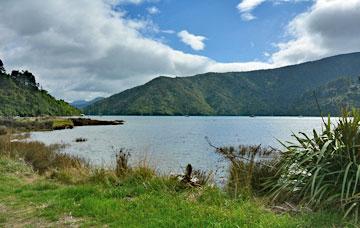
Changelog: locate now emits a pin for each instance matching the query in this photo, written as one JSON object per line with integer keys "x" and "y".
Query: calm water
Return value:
{"x": 170, "y": 143}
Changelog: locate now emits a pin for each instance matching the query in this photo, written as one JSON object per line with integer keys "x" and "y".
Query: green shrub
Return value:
{"x": 322, "y": 170}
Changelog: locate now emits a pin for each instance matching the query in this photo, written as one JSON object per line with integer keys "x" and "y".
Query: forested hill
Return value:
{"x": 281, "y": 91}
{"x": 20, "y": 95}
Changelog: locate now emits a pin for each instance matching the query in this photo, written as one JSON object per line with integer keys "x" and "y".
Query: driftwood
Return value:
{"x": 187, "y": 178}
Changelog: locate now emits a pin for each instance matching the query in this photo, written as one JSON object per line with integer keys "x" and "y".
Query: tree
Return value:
{"x": 29, "y": 78}
{"x": 2, "y": 69}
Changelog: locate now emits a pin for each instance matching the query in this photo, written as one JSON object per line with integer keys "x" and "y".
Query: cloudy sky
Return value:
{"x": 81, "y": 49}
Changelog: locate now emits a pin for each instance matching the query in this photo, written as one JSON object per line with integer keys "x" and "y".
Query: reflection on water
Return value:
{"x": 170, "y": 143}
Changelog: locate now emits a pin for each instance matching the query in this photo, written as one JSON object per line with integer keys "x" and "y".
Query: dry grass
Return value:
{"x": 41, "y": 157}
{"x": 69, "y": 169}
{"x": 122, "y": 163}
{"x": 250, "y": 166}
{"x": 27, "y": 124}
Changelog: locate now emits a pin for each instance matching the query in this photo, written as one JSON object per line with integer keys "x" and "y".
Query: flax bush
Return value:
{"x": 322, "y": 170}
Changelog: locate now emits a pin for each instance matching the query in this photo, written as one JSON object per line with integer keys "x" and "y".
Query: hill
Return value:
{"x": 20, "y": 95}
{"x": 83, "y": 103}
{"x": 340, "y": 93}
{"x": 281, "y": 91}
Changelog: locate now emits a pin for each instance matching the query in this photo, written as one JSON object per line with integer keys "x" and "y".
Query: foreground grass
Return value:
{"x": 27, "y": 199}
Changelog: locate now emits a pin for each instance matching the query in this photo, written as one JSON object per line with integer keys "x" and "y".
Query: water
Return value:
{"x": 170, "y": 143}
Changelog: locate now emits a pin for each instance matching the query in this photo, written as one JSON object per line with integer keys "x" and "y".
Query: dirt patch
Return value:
{"x": 69, "y": 220}
{"x": 3, "y": 208}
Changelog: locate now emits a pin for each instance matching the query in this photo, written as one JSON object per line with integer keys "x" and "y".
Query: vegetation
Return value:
{"x": 20, "y": 95}
{"x": 35, "y": 124}
{"x": 282, "y": 91}
{"x": 315, "y": 172}
{"x": 343, "y": 92}
{"x": 40, "y": 187}
{"x": 250, "y": 166}
{"x": 62, "y": 124}
{"x": 322, "y": 171}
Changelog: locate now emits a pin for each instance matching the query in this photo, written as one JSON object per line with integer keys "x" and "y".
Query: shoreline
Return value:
{"x": 27, "y": 124}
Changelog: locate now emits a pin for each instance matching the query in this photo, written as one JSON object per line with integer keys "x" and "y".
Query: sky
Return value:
{"x": 80, "y": 49}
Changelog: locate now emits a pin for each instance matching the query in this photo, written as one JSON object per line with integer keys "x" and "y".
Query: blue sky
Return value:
{"x": 228, "y": 37}
{"x": 81, "y": 49}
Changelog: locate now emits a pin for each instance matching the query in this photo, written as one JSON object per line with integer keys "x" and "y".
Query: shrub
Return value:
{"x": 3, "y": 130}
{"x": 322, "y": 170}
{"x": 249, "y": 167}
{"x": 122, "y": 163}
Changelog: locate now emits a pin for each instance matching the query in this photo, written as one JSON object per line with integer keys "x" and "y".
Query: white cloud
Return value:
{"x": 83, "y": 49}
{"x": 249, "y": 5}
{"x": 233, "y": 67}
{"x": 328, "y": 28}
{"x": 246, "y": 7}
{"x": 195, "y": 42}
{"x": 169, "y": 31}
{"x": 153, "y": 10}
{"x": 137, "y": 2}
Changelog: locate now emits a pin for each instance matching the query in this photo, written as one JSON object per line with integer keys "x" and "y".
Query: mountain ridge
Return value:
{"x": 83, "y": 103}
{"x": 260, "y": 92}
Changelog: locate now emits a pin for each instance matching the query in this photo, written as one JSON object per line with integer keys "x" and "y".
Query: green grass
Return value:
{"x": 62, "y": 124}
{"x": 135, "y": 201}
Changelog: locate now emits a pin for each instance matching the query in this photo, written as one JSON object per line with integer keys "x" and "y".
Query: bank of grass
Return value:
{"x": 27, "y": 124}
{"x": 40, "y": 187}
{"x": 135, "y": 200}
{"x": 62, "y": 124}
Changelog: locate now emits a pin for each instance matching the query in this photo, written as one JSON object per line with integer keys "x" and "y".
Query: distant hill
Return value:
{"x": 83, "y": 103}
{"x": 20, "y": 95}
{"x": 281, "y": 91}
{"x": 340, "y": 93}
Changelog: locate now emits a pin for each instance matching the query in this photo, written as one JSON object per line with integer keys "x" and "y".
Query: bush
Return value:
{"x": 322, "y": 170}
{"x": 122, "y": 163}
{"x": 249, "y": 167}
{"x": 3, "y": 130}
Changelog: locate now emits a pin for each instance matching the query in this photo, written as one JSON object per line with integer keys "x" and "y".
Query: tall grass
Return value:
{"x": 122, "y": 163}
{"x": 322, "y": 170}
{"x": 41, "y": 157}
{"x": 71, "y": 169}
{"x": 249, "y": 167}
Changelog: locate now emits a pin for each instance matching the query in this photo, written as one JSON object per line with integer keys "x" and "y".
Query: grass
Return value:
{"x": 41, "y": 157}
{"x": 41, "y": 187}
{"x": 136, "y": 201}
{"x": 62, "y": 124}
{"x": 249, "y": 167}
{"x": 27, "y": 124}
